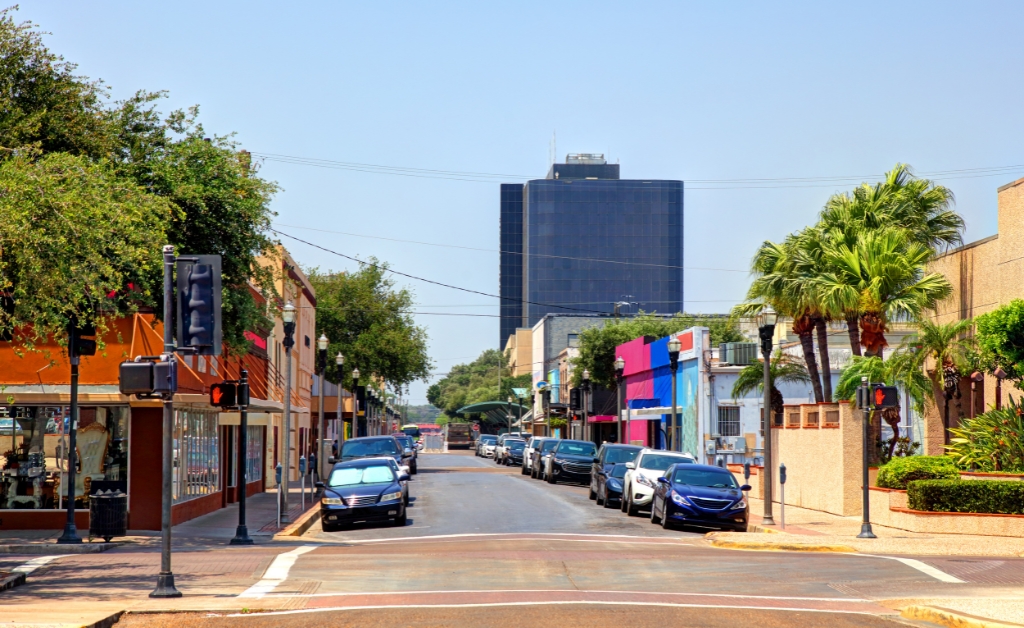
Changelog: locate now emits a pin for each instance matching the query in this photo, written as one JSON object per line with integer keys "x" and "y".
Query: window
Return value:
{"x": 728, "y": 420}
{"x": 307, "y": 341}
{"x": 574, "y": 340}
{"x": 33, "y": 446}
{"x": 196, "y": 452}
{"x": 254, "y": 453}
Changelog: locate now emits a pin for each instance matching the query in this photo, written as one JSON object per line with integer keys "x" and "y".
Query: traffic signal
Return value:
{"x": 199, "y": 311}
{"x": 148, "y": 376}
{"x": 223, "y": 394}
{"x": 81, "y": 339}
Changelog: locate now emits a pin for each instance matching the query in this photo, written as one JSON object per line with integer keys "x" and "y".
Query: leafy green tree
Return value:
{"x": 993, "y": 441}
{"x": 1001, "y": 340}
{"x": 782, "y": 369}
{"x": 597, "y": 344}
{"x": 211, "y": 199}
{"x": 367, "y": 319}
{"x": 77, "y": 243}
{"x": 475, "y": 382}
{"x": 946, "y": 344}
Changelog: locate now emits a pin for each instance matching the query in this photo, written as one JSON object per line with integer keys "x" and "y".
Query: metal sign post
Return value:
{"x": 242, "y": 398}
{"x": 866, "y": 408}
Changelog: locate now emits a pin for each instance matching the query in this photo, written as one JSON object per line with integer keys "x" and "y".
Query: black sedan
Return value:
{"x": 376, "y": 447}
{"x": 609, "y": 485}
{"x": 367, "y": 490}
{"x": 700, "y": 495}
{"x": 514, "y": 452}
{"x": 408, "y": 446}
{"x": 570, "y": 461}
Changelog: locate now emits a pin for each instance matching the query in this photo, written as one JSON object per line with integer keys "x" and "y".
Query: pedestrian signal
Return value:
{"x": 223, "y": 394}
{"x": 199, "y": 307}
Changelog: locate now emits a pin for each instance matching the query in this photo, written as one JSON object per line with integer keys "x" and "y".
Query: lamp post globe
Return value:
{"x": 288, "y": 313}
{"x": 322, "y": 342}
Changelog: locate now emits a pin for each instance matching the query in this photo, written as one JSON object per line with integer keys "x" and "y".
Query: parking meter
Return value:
{"x": 302, "y": 465}
{"x": 782, "y": 474}
{"x": 277, "y": 474}
{"x": 746, "y": 472}
{"x": 782, "y": 496}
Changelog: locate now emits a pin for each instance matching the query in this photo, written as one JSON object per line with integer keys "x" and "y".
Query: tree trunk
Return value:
{"x": 872, "y": 335}
{"x": 807, "y": 344}
{"x": 853, "y": 328}
{"x": 826, "y": 366}
{"x": 892, "y": 417}
{"x": 945, "y": 418}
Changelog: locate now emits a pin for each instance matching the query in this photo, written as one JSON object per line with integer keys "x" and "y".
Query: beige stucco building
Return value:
{"x": 985, "y": 274}
{"x": 519, "y": 349}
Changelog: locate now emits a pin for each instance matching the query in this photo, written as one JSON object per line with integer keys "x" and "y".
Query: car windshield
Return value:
{"x": 660, "y": 462}
{"x": 548, "y": 446}
{"x": 517, "y": 445}
{"x": 404, "y": 440}
{"x": 353, "y": 476}
{"x": 364, "y": 448}
{"x": 705, "y": 477}
{"x": 576, "y": 449}
{"x": 488, "y": 440}
{"x": 616, "y": 455}
{"x": 619, "y": 471}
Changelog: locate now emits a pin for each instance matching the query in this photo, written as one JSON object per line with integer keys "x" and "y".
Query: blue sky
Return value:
{"x": 669, "y": 90}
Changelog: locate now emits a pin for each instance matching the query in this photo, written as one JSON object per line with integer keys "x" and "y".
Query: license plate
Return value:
{"x": 332, "y": 518}
{"x": 392, "y": 512}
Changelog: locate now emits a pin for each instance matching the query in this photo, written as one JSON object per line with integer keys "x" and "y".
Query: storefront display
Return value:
{"x": 196, "y": 449}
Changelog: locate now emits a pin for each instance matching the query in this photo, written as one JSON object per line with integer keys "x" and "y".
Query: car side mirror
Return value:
{"x": 745, "y": 487}
{"x": 408, "y": 451}
{"x": 332, "y": 460}
{"x": 630, "y": 465}
{"x": 663, "y": 480}
{"x": 403, "y": 477}
{"x": 319, "y": 485}
{"x": 597, "y": 460}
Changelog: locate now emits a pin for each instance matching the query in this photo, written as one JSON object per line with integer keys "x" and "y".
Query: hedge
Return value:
{"x": 898, "y": 472}
{"x": 986, "y": 496}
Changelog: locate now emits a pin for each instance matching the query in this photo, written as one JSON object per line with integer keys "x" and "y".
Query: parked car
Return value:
{"x": 532, "y": 445}
{"x": 514, "y": 450}
{"x": 485, "y": 445}
{"x": 609, "y": 485}
{"x": 407, "y": 443}
{"x": 570, "y": 461}
{"x": 540, "y": 456}
{"x": 363, "y": 490}
{"x": 376, "y": 447}
{"x": 609, "y": 455}
{"x": 642, "y": 477}
{"x": 501, "y": 448}
{"x": 702, "y": 495}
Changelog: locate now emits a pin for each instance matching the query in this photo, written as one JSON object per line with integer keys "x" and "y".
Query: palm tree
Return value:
{"x": 778, "y": 284}
{"x": 782, "y": 369}
{"x": 946, "y": 345}
{"x": 902, "y": 369}
{"x": 884, "y": 276}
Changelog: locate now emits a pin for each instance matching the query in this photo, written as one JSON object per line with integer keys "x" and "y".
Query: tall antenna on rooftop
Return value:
{"x": 552, "y": 149}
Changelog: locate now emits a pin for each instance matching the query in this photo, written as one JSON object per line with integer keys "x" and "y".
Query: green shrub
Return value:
{"x": 1004, "y": 497}
{"x": 993, "y": 441}
{"x": 898, "y": 472}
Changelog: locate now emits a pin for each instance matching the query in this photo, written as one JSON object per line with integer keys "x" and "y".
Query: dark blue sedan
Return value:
{"x": 700, "y": 495}
{"x": 367, "y": 490}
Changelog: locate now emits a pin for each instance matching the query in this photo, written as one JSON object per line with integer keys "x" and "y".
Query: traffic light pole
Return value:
{"x": 242, "y": 532}
{"x": 165, "y": 581}
{"x": 866, "y": 409}
{"x": 70, "y": 534}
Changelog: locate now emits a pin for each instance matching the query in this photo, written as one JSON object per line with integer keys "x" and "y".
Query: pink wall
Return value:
{"x": 636, "y": 354}
{"x": 639, "y": 386}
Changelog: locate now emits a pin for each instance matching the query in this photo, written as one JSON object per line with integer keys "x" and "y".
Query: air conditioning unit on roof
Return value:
{"x": 737, "y": 353}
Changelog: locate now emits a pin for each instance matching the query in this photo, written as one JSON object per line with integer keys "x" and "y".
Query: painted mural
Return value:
{"x": 689, "y": 376}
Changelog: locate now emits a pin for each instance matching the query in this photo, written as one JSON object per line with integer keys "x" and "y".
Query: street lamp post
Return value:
{"x": 340, "y": 361}
{"x": 585, "y": 398}
{"x": 321, "y": 459}
{"x": 766, "y": 329}
{"x": 355, "y": 405}
{"x": 288, "y": 317}
{"x": 620, "y": 367}
{"x": 242, "y": 531}
{"x": 673, "y": 365}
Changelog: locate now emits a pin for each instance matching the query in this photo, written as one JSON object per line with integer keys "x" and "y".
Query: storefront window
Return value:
{"x": 196, "y": 454}
{"x": 254, "y": 453}
{"x": 33, "y": 460}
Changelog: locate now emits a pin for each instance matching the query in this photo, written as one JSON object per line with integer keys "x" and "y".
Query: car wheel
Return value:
{"x": 402, "y": 520}
{"x": 665, "y": 523}
{"x": 524, "y": 470}
{"x": 533, "y": 472}
{"x": 550, "y": 477}
{"x": 593, "y": 493}
{"x": 607, "y": 500}
{"x": 622, "y": 500}
{"x": 632, "y": 509}
{"x": 414, "y": 469}
{"x": 654, "y": 508}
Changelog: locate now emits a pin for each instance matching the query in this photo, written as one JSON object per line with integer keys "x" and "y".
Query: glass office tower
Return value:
{"x": 510, "y": 276}
{"x": 589, "y": 240}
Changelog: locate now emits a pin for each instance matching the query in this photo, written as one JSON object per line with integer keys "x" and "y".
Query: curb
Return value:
{"x": 50, "y": 549}
{"x": 300, "y": 525}
{"x": 11, "y": 580}
{"x": 756, "y": 528}
{"x": 768, "y": 546}
{"x": 952, "y": 619}
{"x": 106, "y": 622}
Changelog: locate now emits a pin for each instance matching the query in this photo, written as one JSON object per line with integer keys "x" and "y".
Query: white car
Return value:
{"x": 642, "y": 477}
{"x": 485, "y": 446}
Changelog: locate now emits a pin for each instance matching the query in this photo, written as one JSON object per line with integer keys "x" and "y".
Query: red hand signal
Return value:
{"x": 217, "y": 394}
{"x": 879, "y": 396}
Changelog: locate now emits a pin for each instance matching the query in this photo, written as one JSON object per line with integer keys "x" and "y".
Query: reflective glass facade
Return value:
{"x": 510, "y": 275}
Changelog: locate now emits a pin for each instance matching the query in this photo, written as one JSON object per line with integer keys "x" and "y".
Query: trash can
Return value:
{"x": 108, "y": 514}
